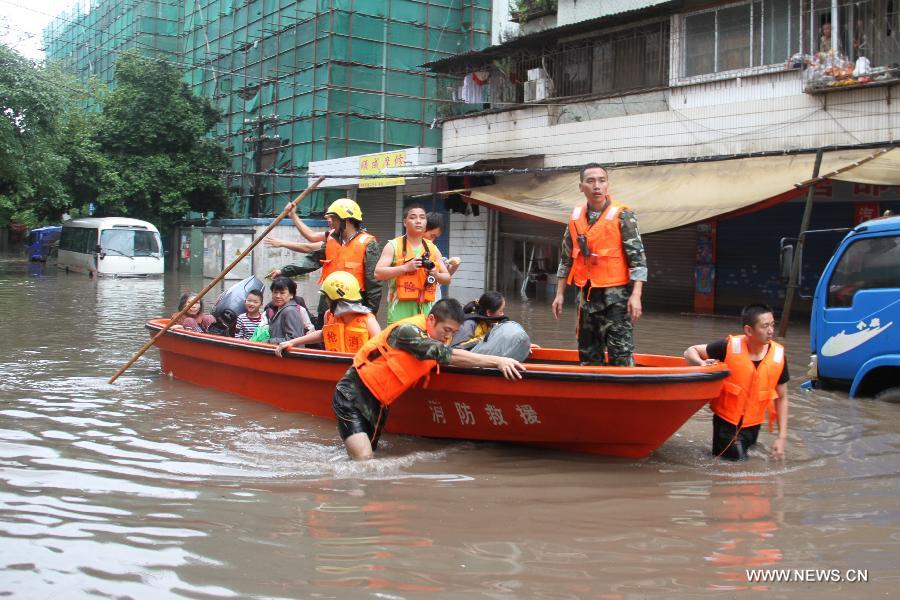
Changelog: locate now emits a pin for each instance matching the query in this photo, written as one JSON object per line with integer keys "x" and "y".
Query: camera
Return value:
{"x": 427, "y": 264}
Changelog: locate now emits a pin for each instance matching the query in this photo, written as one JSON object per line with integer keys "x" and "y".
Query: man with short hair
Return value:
{"x": 756, "y": 385}
{"x": 603, "y": 255}
{"x": 413, "y": 267}
{"x": 393, "y": 362}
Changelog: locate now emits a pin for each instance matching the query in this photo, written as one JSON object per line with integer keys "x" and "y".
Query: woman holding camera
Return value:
{"x": 413, "y": 268}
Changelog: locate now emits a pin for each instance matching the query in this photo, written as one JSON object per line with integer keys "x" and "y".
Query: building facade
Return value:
{"x": 721, "y": 90}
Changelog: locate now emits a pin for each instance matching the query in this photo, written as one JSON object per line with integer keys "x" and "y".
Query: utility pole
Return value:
{"x": 798, "y": 253}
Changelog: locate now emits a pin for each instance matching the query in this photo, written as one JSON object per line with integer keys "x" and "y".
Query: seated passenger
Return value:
{"x": 194, "y": 319}
{"x": 253, "y": 318}
{"x": 487, "y": 330}
{"x": 289, "y": 319}
{"x": 348, "y": 323}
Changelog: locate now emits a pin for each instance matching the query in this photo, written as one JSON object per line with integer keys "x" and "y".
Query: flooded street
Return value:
{"x": 154, "y": 488}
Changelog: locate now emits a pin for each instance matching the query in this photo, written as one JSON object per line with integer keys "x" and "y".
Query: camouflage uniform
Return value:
{"x": 603, "y": 322}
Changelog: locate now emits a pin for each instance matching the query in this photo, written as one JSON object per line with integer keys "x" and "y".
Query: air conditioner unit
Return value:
{"x": 538, "y": 89}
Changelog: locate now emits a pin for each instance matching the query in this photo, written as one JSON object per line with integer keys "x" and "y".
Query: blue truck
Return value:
{"x": 855, "y": 323}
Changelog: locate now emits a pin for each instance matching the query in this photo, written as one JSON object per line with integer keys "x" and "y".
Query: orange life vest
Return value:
{"x": 346, "y": 333}
{"x": 750, "y": 390}
{"x": 413, "y": 286}
{"x": 392, "y": 371}
{"x": 606, "y": 266}
{"x": 349, "y": 257}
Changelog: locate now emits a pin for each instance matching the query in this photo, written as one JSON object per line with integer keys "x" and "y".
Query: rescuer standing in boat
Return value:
{"x": 394, "y": 361}
{"x": 602, "y": 254}
{"x": 757, "y": 384}
{"x": 348, "y": 248}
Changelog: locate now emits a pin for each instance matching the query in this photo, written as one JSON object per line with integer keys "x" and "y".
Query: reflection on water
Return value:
{"x": 155, "y": 488}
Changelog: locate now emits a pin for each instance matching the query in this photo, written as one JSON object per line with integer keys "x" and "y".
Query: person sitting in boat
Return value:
{"x": 487, "y": 329}
{"x": 413, "y": 268}
{"x": 194, "y": 319}
{"x": 289, "y": 319}
{"x": 434, "y": 227}
{"x": 348, "y": 247}
{"x": 248, "y": 321}
{"x": 394, "y": 361}
{"x": 348, "y": 323}
{"x": 757, "y": 384}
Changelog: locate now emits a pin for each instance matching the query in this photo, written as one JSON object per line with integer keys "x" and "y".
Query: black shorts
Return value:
{"x": 351, "y": 418}
{"x": 726, "y": 445}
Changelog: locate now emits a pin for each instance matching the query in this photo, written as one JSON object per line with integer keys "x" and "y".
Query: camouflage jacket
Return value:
{"x": 631, "y": 241}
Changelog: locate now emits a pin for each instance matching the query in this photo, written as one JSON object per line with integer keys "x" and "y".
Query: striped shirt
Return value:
{"x": 246, "y": 325}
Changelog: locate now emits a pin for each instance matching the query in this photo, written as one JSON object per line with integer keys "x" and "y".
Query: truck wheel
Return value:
{"x": 891, "y": 394}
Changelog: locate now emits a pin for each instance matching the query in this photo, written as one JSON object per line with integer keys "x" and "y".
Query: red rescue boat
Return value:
{"x": 559, "y": 404}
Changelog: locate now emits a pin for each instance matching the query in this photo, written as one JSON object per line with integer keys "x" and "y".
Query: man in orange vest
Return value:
{"x": 603, "y": 256}
{"x": 413, "y": 267}
{"x": 757, "y": 384}
{"x": 393, "y": 362}
{"x": 347, "y": 247}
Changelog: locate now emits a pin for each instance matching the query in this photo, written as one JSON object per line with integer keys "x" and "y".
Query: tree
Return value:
{"x": 33, "y": 101}
{"x": 152, "y": 132}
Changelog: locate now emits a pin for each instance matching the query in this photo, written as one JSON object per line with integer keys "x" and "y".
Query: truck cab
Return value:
{"x": 855, "y": 322}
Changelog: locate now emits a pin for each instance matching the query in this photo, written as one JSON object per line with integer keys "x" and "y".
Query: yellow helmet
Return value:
{"x": 345, "y": 208}
{"x": 341, "y": 285}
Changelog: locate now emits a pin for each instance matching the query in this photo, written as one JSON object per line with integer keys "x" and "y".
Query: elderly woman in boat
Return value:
{"x": 290, "y": 319}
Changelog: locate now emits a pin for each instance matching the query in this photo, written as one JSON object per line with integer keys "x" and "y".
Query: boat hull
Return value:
{"x": 615, "y": 411}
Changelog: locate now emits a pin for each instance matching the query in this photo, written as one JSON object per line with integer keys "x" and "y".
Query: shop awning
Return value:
{"x": 669, "y": 196}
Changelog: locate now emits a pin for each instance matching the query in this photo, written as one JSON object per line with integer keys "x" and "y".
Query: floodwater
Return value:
{"x": 153, "y": 488}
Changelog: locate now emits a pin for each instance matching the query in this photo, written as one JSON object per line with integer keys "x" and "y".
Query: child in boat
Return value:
{"x": 393, "y": 362}
{"x": 487, "y": 329}
{"x": 348, "y": 323}
{"x": 194, "y": 319}
{"x": 248, "y": 322}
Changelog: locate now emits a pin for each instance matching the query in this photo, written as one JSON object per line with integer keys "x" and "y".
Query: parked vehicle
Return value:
{"x": 855, "y": 323}
{"x": 41, "y": 242}
{"x": 112, "y": 246}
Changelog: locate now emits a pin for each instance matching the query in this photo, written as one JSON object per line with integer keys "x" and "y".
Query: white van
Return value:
{"x": 112, "y": 246}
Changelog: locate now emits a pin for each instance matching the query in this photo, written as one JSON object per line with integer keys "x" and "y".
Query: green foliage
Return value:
{"x": 138, "y": 151}
{"x": 32, "y": 106}
{"x": 152, "y": 132}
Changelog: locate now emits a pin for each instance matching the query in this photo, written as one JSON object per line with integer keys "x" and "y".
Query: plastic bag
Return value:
{"x": 261, "y": 334}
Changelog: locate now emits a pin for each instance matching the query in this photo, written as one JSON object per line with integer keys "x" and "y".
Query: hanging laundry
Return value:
{"x": 472, "y": 92}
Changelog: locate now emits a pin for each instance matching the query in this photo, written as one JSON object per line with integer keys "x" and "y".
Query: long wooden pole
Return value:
{"x": 798, "y": 254}
{"x": 219, "y": 277}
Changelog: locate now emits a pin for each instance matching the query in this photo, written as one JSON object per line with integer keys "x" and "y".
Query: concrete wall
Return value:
{"x": 575, "y": 11}
{"x": 468, "y": 241}
{"x": 767, "y": 112}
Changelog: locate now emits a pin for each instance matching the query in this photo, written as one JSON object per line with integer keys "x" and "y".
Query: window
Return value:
{"x": 129, "y": 242}
{"x": 78, "y": 239}
{"x": 872, "y": 263}
{"x": 740, "y": 36}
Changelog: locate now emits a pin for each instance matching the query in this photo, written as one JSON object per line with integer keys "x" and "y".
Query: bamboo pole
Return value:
{"x": 219, "y": 277}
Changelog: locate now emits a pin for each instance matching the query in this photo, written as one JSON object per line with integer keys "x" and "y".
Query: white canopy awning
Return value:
{"x": 669, "y": 196}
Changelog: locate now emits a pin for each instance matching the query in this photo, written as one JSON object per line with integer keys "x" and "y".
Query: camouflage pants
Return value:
{"x": 604, "y": 326}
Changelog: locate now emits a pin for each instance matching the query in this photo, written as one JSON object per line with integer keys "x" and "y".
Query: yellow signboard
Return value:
{"x": 373, "y": 164}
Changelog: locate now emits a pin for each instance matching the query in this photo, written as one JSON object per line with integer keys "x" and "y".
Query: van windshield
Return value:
{"x": 129, "y": 242}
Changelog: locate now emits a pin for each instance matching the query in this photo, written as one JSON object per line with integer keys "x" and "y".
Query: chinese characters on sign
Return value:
{"x": 374, "y": 164}
{"x": 495, "y": 416}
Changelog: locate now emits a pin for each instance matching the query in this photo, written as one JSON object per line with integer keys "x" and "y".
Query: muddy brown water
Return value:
{"x": 153, "y": 488}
